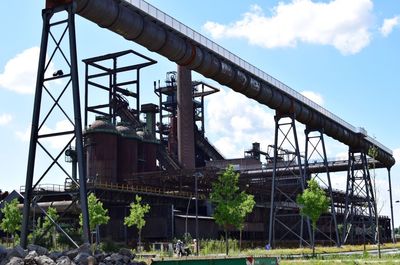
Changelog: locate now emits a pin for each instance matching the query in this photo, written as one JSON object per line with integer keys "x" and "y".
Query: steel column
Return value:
{"x": 78, "y": 124}
{"x": 360, "y": 207}
{"x": 315, "y": 151}
{"x": 285, "y": 188}
{"x": 70, "y": 79}
{"x": 391, "y": 206}
{"x": 186, "y": 148}
{"x": 46, "y": 15}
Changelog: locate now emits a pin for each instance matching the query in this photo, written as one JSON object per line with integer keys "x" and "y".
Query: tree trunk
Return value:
{"x": 226, "y": 242}
{"x": 240, "y": 240}
{"x": 313, "y": 242}
{"x": 140, "y": 240}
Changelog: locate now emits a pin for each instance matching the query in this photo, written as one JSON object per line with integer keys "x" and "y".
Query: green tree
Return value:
{"x": 231, "y": 204}
{"x": 49, "y": 228}
{"x": 97, "y": 214}
{"x": 136, "y": 216}
{"x": 313, "y": 202}
{"x": 45, "y": 232}
{"x": 11, "y": 222}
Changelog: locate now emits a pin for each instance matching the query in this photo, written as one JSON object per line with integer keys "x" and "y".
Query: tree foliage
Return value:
{"x": 313, "y": 202}
{"x": 97, "y": 214}
{"x": 231, "y": 204}
{"x": 136, "y": 215}
{"x": 12, "y": 218}
{"x": 45, "y": 232}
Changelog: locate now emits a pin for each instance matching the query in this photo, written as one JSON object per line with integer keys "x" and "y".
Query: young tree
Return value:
{"x": 97, "y": 214}
{"x": 231, "y": 205}
{"x": 11, "y": 222}
{"x": 313, "y": 202}
{"x": 50, "y": 228}
{"x": 136, "y": 216}
{"x": 45, "y": 232}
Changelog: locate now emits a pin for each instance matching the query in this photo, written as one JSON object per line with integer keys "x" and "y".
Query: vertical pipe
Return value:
{"x": 302, "y": 176}
{"x": 86, "y": 93}
{"x": 391, "y": 205}
{"x": 78, "y": 124}
{"x": 333, "y": 210}
{"x": 197, "y": 213}
{"x": 114, "y": 92}
{"x": 346, "y": 207}
{"x": 185, "y": 119}
{"x": 172, "y": 222}
{"x": 307, "y": 133}
{"x": 137, "y": 93}
{"x": 271, "y": 213}
{"x": 46, "y": 15}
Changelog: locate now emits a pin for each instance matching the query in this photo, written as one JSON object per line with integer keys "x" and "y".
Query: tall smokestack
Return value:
{"x": 186, "y": 153}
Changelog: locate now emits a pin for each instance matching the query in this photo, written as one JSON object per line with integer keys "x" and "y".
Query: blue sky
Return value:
{"x": 343, "y": 54}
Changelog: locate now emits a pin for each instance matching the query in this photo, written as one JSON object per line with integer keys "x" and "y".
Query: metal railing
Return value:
{"x": 142, "y": 189}
{"x": 194, "y": 35}
{"x": 45, "y": 187}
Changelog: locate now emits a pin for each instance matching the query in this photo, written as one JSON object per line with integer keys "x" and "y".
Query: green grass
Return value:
{"x": 318, "y": 250}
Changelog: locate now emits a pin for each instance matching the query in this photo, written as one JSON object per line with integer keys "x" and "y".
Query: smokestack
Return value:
{"x": 186, "y": 155}
{"x": 150, "y": 111}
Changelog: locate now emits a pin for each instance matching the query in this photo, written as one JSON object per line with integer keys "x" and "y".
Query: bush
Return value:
{"x": 218, "y": 246}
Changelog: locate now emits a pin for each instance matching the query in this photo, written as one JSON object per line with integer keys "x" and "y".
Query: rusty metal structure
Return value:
{"x": 118, "y": 154}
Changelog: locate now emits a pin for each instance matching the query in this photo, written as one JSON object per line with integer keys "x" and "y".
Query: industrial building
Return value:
{"x": 161, "y": 151}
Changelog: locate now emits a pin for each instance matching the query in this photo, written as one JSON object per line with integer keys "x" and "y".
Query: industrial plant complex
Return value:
{"x": 121, "y": 147}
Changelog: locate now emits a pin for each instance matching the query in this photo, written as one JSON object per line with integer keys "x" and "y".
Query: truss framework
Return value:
{"x": 360, "y": 206}
{"x": 59, "y": 33}
{"x": 283, "y": 199}
{"x": 315, "y": 151}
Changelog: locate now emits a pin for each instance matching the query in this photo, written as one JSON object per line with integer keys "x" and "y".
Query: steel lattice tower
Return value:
{"x": 60, "y": 34}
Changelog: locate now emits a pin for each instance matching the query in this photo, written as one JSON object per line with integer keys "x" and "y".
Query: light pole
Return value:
{"x": 187, "y": 212}
{"x": 394, "y": 234}
{"x": 197, "y": 175}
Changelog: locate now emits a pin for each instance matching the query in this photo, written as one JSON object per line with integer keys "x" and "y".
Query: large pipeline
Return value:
{"x": 127, "y": 20}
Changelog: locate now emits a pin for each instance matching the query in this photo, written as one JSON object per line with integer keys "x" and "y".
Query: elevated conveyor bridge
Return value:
{"x": 143, "y": 23}
{"x": 148, "y": 26}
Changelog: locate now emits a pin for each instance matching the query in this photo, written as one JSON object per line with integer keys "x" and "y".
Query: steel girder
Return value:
{"x": 60, "y": 51}
{"x": 285, "y": 222}
{"x": 360, "y": 206}
{"x": 315, "y": 151}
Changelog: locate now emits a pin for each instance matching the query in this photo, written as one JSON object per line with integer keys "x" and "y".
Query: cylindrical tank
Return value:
{"x": 127, "y": 152}
{"x": 101, "y": 141}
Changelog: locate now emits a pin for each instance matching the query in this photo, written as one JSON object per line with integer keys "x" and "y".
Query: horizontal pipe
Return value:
{"x": 129, "y": 21}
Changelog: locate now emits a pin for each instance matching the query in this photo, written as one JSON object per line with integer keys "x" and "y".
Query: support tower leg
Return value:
{"x": 360, "y": 206}
{"x": 286, "y": 223}
{"x": 315, "y": 151}
{"x": 69, "y": 78}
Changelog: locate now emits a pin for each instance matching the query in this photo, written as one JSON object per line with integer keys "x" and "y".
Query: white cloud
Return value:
{"x": 396, "y": 154}
{"x": 317, "y": 98}
{"x": 24, "y": 136}
{"x": 57, "y": 142}
{"x": 342, "y": 24}
{"x": 235, "y": 122}
{"x": 388, "y": 25}
{"x": 20, "y": 72}
{"x": 342, "y": 155}
{"x": 5, "y": 119}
